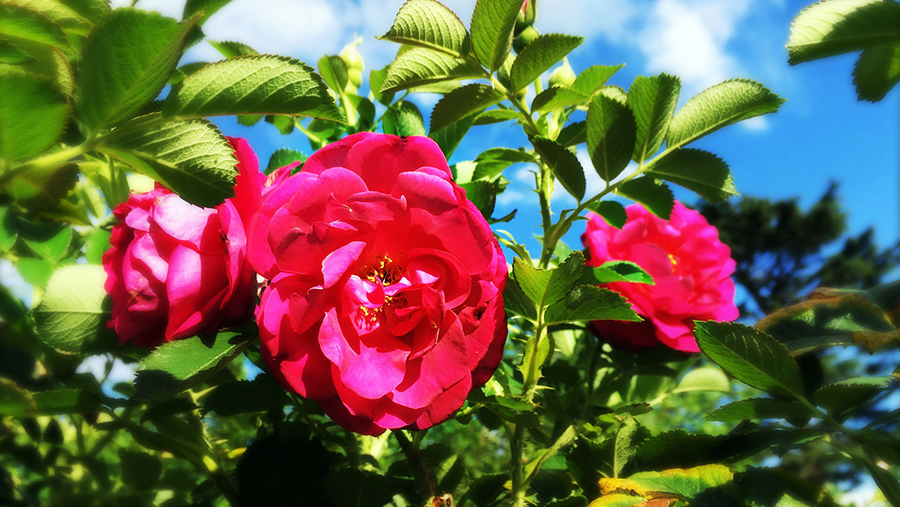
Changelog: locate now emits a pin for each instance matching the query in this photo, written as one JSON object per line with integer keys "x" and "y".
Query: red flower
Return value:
{"x": 175, "y": 269}
{"x": 386, "y": 300}
{"x": 691, "y": 269}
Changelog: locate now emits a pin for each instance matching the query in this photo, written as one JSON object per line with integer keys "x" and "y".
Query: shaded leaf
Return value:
{"x": 563, "y": 278}
{"x": 531, "y": 280}
{"x": 177, "y": 365}
{"x": 66, "y": 401}
{"x": 261, "y": 394}
{"x": 33, "y": 115}
{"x": 284, "y": 157}
{"x": 403, "y": 119}
{"x": 653, "y": 101}
{"x": 125, "y": 63}
{"x": 877, "y": 71}
{"x": 654, "y": 195}
{"x": 449, "y": 137}
{"x": 612, "y": 212}
{"x": 849, "y": 394}
{"x": 751, "y": 356}
{"x": 538, "y": 56}
{"x": 255, "y": 84}
{"x": 19, "y": 24}
{"x": 759, "y": 408}
{"x": 463, "y": 102}
{"x": 565, "y": 165}
{"x": 610, "y": 136}
{"x": 516, "y": 301}
{"x": 556, "y": 98}
{"x": 482, "y": 194}
{"x": 492, "y": 30}
{"x": 231, "y": 49}
{"x": 696, "y": 170}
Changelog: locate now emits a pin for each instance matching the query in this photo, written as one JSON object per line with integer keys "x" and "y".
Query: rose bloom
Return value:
{"x": 176, "y": 270}
{"x": 385, "y": 303}
{"x": 691, "y": 269}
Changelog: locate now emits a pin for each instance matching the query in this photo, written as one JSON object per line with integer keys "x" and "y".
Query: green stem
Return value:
{"x": 410, "y": 448}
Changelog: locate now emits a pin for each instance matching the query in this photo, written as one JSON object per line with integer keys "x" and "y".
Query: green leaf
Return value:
{"x": 625, "y": 446}
{"x": 492, "y": 162}
{"x": 565, "y": 165}
{"x": 427, "y": 23}
{"x": 283, "y": 157}
{"x": 689, "y": 484}
{"x": 563, "y": 278}
{"x": 449, "y": 137}
{"x": 66, "y": 401}
{"x": 516, "y": 301}
{"x": 125, "y": 63}
{"x": 140, "y": 470}
{"x": 74, "y": 16}
{"x": 877, "y": 71}
{"x": 492, "y": 30}
{"x": 24, "y": 26}
{"x": 334, "y": 72}
{"x": 831, "y": 28}
{"x": 610, "y": 136}
{"x": 483, "y": 195}
{"x": 696, "y": 170}
{"x": 97, "y": 244}
{"x": 206, "y": 7}
{"x": 189, "y": 157}
{"x": 849, "y": 394}
{"x": 674, "y": 449}
{"x": 261, "y": 394}
{"x": 497, "y": 116}
{"x": 587, "y": 302}
{"x": 230, "y": 49}
{"x": 751, "y": 356}
{"x": 611, "y": 211}
{"x": 284, "y": 124}
{"x": 9, "y": 229}
{"x": 759, "y": 408}
{"x": 261, "y": 84}
{"x": 538, "y": 56}
{"x": 616, "y": 271}
{"x": 403, "y": 119}
{"x": 14, "y": 400}
{"x": 828, "y": 318}
{"x": 654, "y": 195}
{"x": 48, "y": 240}
{"x": 531, "y": 280}
{"x": 33, "y": 115}
{"x": 557, "y": 98}
{"x": 591, "y": 79}
{"x": 72, "y": 315}
{"x": 463, "y": 102}
{"x": 708, "y": 379}
{"x": 719, "y": 106}
{"x": 42, "y": 187}
{"x": 653, "y": 101}
{"x": 178, "y": 365}
{"x": 35, "y": 271}
{"x": 420, "y": 66}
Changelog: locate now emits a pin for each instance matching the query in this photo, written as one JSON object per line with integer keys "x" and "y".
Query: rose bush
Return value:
{"x": 176, "y": 270}
{"x": 385, "y": 303}
{"x": 691, "y": 269}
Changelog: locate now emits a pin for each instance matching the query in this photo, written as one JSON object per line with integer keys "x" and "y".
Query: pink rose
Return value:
{"x": 176, "y": 270}
{"x": 691, "y": 269}
{"x": 386, "y": 301}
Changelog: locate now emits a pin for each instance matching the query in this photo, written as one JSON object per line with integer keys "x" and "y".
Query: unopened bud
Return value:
{"x": 562, "y": 75}
{"x": 524, "y": 38}
{"x": 527, "y": 15}
{"x": 354, "y": 62}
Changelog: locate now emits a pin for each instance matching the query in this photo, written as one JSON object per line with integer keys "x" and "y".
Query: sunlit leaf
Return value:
{"x": 564, "y": 164}
{"x": 696, "y": 170}
{"x": 72, "y": 315}
{"x": 429, "y": 24}
{"x": 833, "y": 27}
{"x": 421, "y": 66}
{"x": 538, "y": 56}
{"x": 653, "y": 101}
{"x": 33, "y": 115}
{"x": 610, "y": 136}
{"x": 759, "y": 408}
{"x": 492, "y": 30}
{"x": 877, "y": 71}
{"x": 463, "y": 102}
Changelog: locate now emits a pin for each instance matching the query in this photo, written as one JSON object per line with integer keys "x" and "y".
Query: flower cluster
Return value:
{"x": 691, "y": 271}
{"x": 385, "y": 293}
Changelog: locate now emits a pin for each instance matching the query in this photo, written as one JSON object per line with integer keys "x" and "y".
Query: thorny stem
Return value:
{"x": 410, "y": 448}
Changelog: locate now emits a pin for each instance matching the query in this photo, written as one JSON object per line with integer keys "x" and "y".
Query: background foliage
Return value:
{"x": 95, "y": 105}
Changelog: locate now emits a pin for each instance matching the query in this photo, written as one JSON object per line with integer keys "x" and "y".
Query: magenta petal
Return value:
{"x": 370, "y": 366}
{"x": 443, "y": 407}
{"x": 437, "y": 371}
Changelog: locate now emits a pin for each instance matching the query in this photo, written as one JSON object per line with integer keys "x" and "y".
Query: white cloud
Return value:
{"x": 690, "y": 39}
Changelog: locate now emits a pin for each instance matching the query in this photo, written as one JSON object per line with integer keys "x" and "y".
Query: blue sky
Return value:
{"x": 822, "y": 133}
